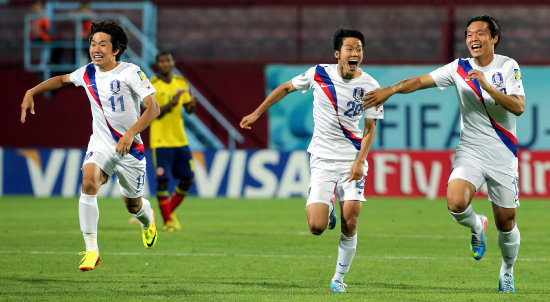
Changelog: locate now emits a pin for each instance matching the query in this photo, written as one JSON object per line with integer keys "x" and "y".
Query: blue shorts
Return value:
{"x": 174, "y": 162}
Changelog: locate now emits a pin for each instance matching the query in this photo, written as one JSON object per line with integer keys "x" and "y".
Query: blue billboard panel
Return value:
{"x": 426, "y": 119}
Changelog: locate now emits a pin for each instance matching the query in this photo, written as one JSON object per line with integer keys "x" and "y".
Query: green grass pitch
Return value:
{"x": 261, "y": 250}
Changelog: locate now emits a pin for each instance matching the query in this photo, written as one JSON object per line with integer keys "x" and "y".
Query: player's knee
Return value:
{"x": 456, "y": 203}
{"x": 316, "y": 231}
{"x": 90, "y": 186}
{"x": 162, "y": 184}
{"x": 505, "y": 225}
{"x": 132, "y": 204}
{"x": 316, "y": 228}
{"x": 185, "y": 184}
{"x": 349, "y": 226}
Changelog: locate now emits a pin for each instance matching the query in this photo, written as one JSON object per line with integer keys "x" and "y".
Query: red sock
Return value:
{"x": 165, "y": 208}
{"x": 176, "y": 200}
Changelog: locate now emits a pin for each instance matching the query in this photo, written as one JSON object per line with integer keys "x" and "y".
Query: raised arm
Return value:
{"x": 151, "y": 112}
{"x": 380, "y": 96}
{"x": 48, "y": 85}
{"x": 356, "y": 172}
{"x": 276, "y": 95}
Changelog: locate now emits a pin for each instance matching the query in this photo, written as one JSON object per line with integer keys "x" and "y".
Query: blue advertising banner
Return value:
{"x": 262, "y": 173}
{"x": 426, "y": 119}
{"x": 239, "y": 173}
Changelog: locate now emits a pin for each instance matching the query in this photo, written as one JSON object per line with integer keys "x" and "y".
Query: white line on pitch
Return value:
{"x": 387, "y": 257}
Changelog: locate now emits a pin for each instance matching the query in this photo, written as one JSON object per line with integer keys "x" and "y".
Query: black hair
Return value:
{"x": 341, "y": 33}
{"x": 119, "y": 38}
{"x": 494, "y": 26}
{"x": 162, "y": 53}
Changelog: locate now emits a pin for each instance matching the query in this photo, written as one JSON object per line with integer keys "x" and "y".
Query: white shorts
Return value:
{"x": 129, "y": 170}
{"x": 502, "y": 188}
{"x": 327, "y": 174}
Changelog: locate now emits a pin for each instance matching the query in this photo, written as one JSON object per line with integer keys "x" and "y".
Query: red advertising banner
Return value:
{"x": 425, "y": 173}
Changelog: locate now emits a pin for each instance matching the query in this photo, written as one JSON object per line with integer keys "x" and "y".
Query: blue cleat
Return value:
{"x": 478, "y": 240}
{"x": 506, "y": 283}
{"x": 337, "y": 286}
{"x": 332, "y": 216}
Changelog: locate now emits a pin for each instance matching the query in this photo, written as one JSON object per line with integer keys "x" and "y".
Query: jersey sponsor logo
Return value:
{"x": 115, "y": 86}
{"x": 498, "y": 80}
{"x": 89, "y": 155}
{"x": 141, "y": 75}
{"x": 517, "y": 74}
{"x": 358, "y": 93}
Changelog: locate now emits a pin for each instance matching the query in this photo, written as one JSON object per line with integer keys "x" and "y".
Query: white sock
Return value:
{"x": 88, "y": 215}
{"x": 509, "y": 247}
{"x": 91, "y": 242}
{"x": 346, "y": 252}
{"x": 468, "y": 218}
{"x": 145, "y": 214}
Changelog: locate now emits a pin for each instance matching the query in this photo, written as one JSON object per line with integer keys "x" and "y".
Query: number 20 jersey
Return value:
{"x": 115, "y": 98}
{"x": 337, "y": 110}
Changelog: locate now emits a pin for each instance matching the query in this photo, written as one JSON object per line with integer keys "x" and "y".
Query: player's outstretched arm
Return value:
{"x": 276, "y": 95}
{"x": 48, "y": 85}
{"x": 149, "y": 115}
{"x": 356, "y": 172}
{"x": 379, "y": 96}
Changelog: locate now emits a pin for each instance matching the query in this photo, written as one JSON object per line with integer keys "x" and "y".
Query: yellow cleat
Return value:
{"x": 168, "y": 227}
{"x": 89, "y": 261}
{"x": 175, "y": 222}
{"x": 150, "y": 235}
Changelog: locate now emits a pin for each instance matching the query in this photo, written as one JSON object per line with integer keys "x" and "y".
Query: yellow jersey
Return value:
{"x": 168, "y": 131}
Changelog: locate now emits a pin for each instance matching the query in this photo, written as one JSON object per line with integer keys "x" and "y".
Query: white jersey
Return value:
{"x": 488, "y": 131}
{"x": 337, "y": 110}
{"x": 115, "y": 98}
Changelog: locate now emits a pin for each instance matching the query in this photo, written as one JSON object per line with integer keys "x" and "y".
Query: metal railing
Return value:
{"x": 199, "y": 135}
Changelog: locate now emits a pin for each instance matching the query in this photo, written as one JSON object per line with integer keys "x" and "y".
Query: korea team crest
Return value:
{"x": 498, "y": 80}
{"x": 115, "y": 86}
{"x": 358, "y": 93}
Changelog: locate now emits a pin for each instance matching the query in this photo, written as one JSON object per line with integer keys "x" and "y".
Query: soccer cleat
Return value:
{"x": 478, "y": 240}
{"x": 150, "y": 235}
{"x": 337, "y": 286}
{"x": 506, "y": 283}
{"x": 89, "y": 261}
{"x": 175, "y": 222}
{"x": 332, "y": 216}
{"x": 168, "y": 227}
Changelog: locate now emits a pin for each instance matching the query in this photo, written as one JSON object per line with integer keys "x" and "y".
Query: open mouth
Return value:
{"x": 476, "y": 47}
{"x": 353, "y": 64}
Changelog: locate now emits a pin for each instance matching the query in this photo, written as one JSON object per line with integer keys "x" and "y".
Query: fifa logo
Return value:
{"x": 358, "y": 93}
{"x": 115, "y": 86}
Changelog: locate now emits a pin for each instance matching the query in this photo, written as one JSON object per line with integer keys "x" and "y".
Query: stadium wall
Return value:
{"x": 260, "y": 173}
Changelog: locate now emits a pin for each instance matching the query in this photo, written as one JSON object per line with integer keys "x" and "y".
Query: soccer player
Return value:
{"x": 490, "y": 94}
{"x": 115, "y": 90}
{"x": 338, "y": 148}
{"x": 168, "y": 141}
